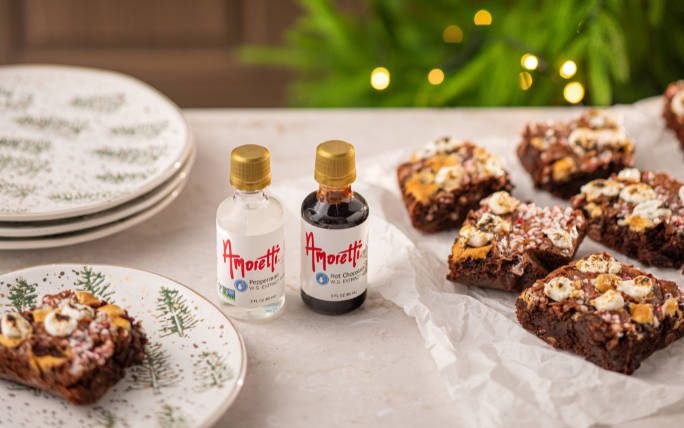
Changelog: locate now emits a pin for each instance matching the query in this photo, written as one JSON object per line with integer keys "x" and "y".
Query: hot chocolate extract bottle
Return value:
{"x": 250, "y": 240}
{"x": 334, "y": 235}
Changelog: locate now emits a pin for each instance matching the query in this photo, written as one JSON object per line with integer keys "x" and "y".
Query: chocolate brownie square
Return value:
{"x": 612, "y": 314}
{"x": 509, "y": 245}
{"x": 563, "y": 156}
{"x": 640, "y": 214}
{"x": 674, "y": 109}
{"x": 70, "y": 344}
{"x": 446, "y": 179}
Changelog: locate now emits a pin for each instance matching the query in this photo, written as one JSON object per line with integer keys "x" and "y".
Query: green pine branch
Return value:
{"x": 93, "y": 283}
{"x": 16, "y": 190}
{"x": 211, "y": 371}
{"x": 120, "y": 177}
{"x": 176, "y": 315}
{"x": 170, "y": 417}
{"x": 142, "y": 130}
{"x": 80, "y": 196}
{"x": 53, "y": 124}
{"x": 155, "y": 370}
{"x": 10, "y": 102}
{"x": 15, "y": 386}
{"x": 100, "y": 103}
{"x": 25, "y": 145}
{"x": 110, "y": 420}
{"x": 23, "y": 165}
{"x": 134, "y": 155}
{"x": 22, "y": 295}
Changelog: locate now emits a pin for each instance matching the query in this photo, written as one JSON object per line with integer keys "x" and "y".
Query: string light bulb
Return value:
{"x": 483, "y": 17}
{"x": 380, "y": 78}
{"x": 529, "y": 61}
{"x": 568, "y": 69}
{"x": 524, "y": 80}
{"x": 573, "y": 92}
{"x": 436, "y": 76}
{"x": 452, "y": 34}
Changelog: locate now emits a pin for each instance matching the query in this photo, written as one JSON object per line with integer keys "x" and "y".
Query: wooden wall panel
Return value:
{"x": 184, "y": 48}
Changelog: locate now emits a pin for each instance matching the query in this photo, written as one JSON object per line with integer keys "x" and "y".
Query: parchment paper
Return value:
{"x": 497, "y": 373}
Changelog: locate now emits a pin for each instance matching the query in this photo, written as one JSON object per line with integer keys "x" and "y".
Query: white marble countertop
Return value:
{"x": 367, "y": 368}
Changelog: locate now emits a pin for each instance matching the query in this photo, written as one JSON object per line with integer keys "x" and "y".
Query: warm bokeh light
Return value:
{"x": 483, "y": 18}
{"x": 573, "y": 92}
{"x": 568, "y": 69}
{"x": 524, "y": 80}
{"x": 380, "y": 78}
{"x": 453, "y": 34}
{"x": 529, "y": 61}
{"x": 436, "y": 76}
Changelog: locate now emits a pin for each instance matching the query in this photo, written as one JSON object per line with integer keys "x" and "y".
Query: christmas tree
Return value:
{"x": 22, "y": 295}
{"x": 155, "y": 370}
{"x": 480, "y": 52}
{"x": 93, "y": 283}
{"x": 110, "y": 420}
{"x": 211, "y": 370}
{"x": 176, "y": 315}
{"x": 170, "y": 417}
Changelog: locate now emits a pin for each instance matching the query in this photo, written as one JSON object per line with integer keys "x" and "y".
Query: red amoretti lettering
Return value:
{"x": 350, "y": 255}
{"x": 237, "y": 262}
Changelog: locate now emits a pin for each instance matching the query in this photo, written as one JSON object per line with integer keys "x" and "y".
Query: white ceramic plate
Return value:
{"x": 192, "y": 374}
{"x": 90, "y": 234}
{"x": 74, "y": 141}
{"x": 52, "y": 227}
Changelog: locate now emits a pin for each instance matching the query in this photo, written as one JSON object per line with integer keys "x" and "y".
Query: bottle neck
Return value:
{"x": 250, "y": 199}
{"x": 334, "y": 195}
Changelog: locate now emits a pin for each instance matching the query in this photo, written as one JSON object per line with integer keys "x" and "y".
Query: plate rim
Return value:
{"x": 169, "y": 188}
{"x": 101, "y": 206}
{"x": 243, "y": 368}
{"x": 95, "y": 233}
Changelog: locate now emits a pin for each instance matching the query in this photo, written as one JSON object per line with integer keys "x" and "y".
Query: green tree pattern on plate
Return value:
{"x": 134, "y": 155}
{"x": 211, "y": 370}
{"x": 22, "y": 295}
{"x": 170, "y": 417}
{"x": 120, "y": 177}
{"x": 15, "y": 386}
{"x": 80, "y": 196}
{"x": 22, "y": 165}
{"x": 10, "y": 102}
{"x": 53, "y": 124}
{"x": 93, "y": 283}
{"x": 144, "y": 130}
{"x": 25, "y": 145}
{"x": 110, "y": 420}
{"x": 155, "y": 370}
{"x": 100, "y": 103}
{"x": 175, "y": 313}
{"x": 16, "y": 190}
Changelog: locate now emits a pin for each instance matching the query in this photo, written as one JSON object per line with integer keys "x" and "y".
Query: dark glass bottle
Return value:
{"x": 334, "y": 235}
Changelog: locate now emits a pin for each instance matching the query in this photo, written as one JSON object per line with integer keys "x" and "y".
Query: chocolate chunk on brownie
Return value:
{"x": 446, "y": 179}
{"x": 509, "y": 245}
{"x": 640, "y": 214}
{"x": 673, "y": 111}
{"x": 70, "y": 344}
{"x": 563, "y": 156}
{"x": 612, "y": 314}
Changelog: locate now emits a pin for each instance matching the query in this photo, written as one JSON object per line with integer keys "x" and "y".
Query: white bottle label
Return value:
{"x": 334, "y": 262}
{"x": 250, "y": 269}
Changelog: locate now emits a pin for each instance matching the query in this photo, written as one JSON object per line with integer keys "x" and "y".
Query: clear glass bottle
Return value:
{"x": 250, "y": 240}
{"x": 334, "y": 243}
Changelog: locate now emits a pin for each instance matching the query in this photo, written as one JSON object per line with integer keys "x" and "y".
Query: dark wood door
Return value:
{"x": 184, "y": 48}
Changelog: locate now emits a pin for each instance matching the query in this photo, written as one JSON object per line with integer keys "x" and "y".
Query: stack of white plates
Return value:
{"x": 84, "y": 154}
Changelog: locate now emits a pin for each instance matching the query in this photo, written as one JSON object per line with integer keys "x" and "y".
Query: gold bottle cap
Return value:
{"x": 250, "y": 167}
{"x": 335, "y": 164}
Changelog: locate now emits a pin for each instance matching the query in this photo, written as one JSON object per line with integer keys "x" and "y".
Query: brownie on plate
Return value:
{"x": 563, "y": 156}
{"x": 446, "y": 179}
{"x": 674, "y": 109}
{"x": 509, "y": 245}
{"x": 71, "y": 344}
{"x": 613, "y": 314}
{"x": 640, "y": 214}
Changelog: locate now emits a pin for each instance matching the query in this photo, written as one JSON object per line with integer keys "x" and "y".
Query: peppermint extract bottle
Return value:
{"x": 250, "y": 240}
{"x": 334, "y": 235}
